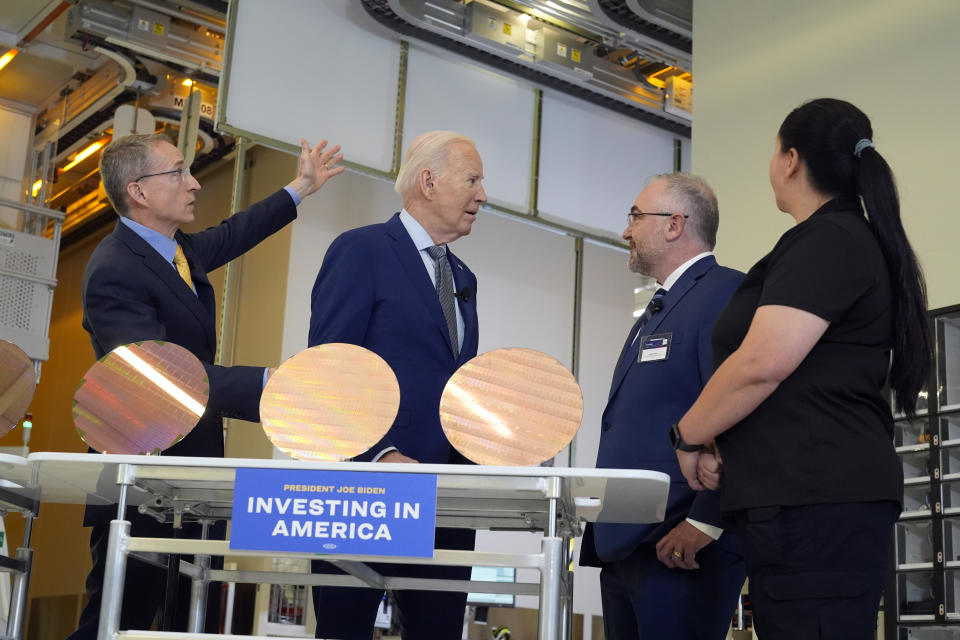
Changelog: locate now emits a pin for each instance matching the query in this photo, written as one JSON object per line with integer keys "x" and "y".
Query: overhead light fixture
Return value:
{"x": 7, "y": 57}
{"x": 656, "y": 73}
{"x": 36, "y": 188}
{"x": 92, "y": 148}
{"x": 187, "y": 83}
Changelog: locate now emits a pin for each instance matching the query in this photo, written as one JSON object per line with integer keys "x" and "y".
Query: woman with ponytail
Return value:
{"x": 794, "y": 426}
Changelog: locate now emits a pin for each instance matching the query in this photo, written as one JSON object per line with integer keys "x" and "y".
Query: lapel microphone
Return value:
{"x": 464, "y": 294}
{"x": 656, "y": 305}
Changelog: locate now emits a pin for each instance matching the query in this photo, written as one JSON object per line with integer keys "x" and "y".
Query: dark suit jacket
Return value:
{"x": 647, "y": 397}
{"x": 130, "y": 293}
{"x": 373, "y": 291}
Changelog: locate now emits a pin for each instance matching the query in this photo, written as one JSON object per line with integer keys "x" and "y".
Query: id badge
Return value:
{"x": 654, "y": 347}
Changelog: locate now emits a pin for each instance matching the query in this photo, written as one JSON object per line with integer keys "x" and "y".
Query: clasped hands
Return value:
{"x": 702, "y": 468}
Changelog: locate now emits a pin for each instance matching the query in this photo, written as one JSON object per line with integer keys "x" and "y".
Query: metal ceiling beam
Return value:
{"x": 393, "y": 15}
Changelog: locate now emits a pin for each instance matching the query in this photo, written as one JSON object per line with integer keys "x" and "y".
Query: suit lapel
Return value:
{"x": 623, "y": 363}
{"x": 413, "y": 265}
{"x": 679, "y": 289}
{"x": 166, "y": 272}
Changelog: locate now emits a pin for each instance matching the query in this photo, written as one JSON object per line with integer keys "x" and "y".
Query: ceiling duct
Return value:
{"x": 190, "y": 42}
{"x": 667, "y": 21}
{"x": 80, "y": 109}
{"x": 562, "y": 45}
{"x": 158, "y": 53}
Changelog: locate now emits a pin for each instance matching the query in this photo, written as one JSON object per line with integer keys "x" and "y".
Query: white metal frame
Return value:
{"x": 551, "y": 500}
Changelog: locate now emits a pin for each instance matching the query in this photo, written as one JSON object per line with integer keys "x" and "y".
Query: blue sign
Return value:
{"x": 334, "y": 512}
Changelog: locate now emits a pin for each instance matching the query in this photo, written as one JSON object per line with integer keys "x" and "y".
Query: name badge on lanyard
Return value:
{"x": 654, "y": 347}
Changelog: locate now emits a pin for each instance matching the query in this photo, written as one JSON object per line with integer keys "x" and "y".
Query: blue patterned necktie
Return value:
{"x": 443, "y": 275}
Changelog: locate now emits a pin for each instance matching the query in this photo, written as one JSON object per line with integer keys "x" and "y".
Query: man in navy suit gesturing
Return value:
{"x": 147, "y": 280}
{"x": 681, "y": 578}
{"x": 397, "y": 290}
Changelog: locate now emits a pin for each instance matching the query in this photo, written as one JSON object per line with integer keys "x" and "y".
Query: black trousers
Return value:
{"x": 816, "y": 571}
{"x": 144, "y": 586}
{"x": 348, "y": 613}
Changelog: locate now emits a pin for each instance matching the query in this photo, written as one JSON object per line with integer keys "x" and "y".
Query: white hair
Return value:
{"x": 429, "y": 151}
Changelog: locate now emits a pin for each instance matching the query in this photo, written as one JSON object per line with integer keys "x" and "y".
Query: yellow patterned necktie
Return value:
{"x": 180, "y": 262}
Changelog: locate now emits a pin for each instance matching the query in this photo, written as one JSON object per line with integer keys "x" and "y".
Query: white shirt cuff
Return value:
{"x": 377, "y": 457}
{"x": 709, "y": 529}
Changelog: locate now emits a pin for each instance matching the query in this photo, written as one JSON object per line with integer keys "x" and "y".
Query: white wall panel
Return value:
{"x": 302, "y": 68}
{"x": 594, "y": 162}
{"x": 348, "y": 201}
{"x": 605, "y": 320}
{"x": 686, "y": 155}
{"x": 524, "y": 285}
{"x": 445, "y": 91}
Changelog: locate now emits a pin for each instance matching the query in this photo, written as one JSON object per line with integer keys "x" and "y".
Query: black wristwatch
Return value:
{"x": 676, "y": 440}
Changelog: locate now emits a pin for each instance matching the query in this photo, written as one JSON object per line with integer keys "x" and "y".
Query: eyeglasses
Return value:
{"x": 634, "y": 216}
{"x": 182, "y": 173}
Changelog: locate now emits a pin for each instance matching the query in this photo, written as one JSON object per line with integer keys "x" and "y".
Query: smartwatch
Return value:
{"x": 676, "y": 440}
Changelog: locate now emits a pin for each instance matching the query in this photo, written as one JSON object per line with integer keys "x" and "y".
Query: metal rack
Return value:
{"x": 28, "y": 276}
{"x": 551, "y": 500}
{"x": 25, "y": 501}
{"x": 922, "y": 599}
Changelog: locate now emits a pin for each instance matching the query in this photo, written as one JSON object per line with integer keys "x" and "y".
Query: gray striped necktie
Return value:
{"x": 443, "y": 275}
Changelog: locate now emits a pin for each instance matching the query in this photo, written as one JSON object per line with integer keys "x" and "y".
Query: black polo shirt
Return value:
{"x": 825, "y": 435}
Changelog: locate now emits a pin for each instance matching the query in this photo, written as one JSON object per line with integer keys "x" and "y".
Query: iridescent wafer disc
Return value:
{"x": 140, "y": 398}
{"x": 511, "y": 407}
{"x": 330, "y": 402}
{"x": 18, "y": 381}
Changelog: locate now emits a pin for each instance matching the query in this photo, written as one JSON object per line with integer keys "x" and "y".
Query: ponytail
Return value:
{"x": 912, "y": 340}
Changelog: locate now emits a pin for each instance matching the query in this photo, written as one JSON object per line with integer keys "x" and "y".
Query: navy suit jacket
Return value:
{"x": 130, "y": 293}
{"x": 647, "y": 397}
{"x": 374, "y": 291}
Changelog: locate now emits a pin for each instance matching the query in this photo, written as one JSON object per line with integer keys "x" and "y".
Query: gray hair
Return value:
{"x": 429, "y": 151}
{"x": 692, "y": 196}
{"x": 123, "y": 161}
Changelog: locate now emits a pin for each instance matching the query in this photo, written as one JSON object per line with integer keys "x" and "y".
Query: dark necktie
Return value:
{"x": 443, "y": 275}
{"x": 655, "y": 304}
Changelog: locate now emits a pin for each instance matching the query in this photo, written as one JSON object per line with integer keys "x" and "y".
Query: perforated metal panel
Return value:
{"x": 25, "y": 303}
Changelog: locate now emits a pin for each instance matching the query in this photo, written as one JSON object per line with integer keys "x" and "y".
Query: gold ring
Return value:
{"x": 677, "y": 554}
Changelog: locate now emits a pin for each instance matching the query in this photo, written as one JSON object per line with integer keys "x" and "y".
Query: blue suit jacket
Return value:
{"x": 647, "y": 397}
{"x": 373, "y": 290}
{"x": 130, "y": 293}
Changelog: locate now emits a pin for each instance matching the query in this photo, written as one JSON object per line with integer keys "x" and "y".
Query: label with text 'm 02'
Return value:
{"x": 334, "y": 512}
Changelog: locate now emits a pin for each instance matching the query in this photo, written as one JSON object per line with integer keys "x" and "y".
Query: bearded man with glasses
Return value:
{"x": 147, "y": 280}
{"x": 679, "y": 578}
